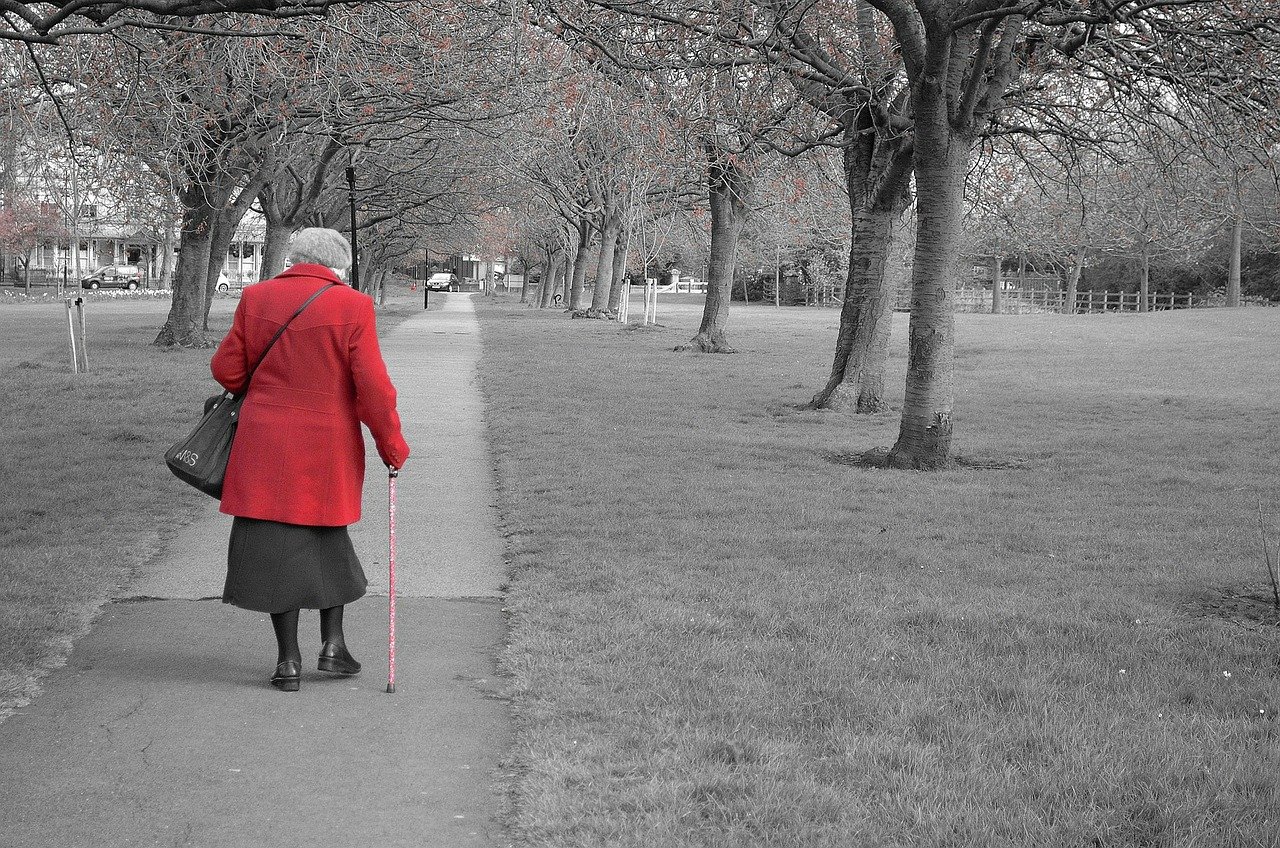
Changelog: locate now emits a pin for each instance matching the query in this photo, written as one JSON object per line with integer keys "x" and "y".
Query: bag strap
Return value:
{"x": 280, "y": 332}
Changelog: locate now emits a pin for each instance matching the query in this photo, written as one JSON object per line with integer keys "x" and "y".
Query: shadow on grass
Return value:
{"x": 878, "y": 458}
{"x": 1246, "y": 606}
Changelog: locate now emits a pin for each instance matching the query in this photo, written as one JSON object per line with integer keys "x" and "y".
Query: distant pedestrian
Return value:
{"x": 296, "y": 471}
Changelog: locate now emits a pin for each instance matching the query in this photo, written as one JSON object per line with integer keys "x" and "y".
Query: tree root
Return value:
{"x": 602, "y": 314}
{"x": 884, "y": 457}
{"x": 705, "y": 343}
{"x": 168, "y": 338}
{"x": 904, "y": 461}
{"x": 887, "y": 458}
{"x": 841, "y": 398}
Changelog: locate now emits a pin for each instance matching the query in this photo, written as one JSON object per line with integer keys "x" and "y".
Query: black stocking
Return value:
{"x": 331, "y": 626}
{"x": 286, "y": 626}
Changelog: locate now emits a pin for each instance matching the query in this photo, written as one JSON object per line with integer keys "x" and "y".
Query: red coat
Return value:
{"x": 298, "y": 455}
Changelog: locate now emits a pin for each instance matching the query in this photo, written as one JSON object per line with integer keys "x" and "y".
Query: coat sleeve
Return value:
{"x": 229, "y": 365}
{"x": 375, "y": 395}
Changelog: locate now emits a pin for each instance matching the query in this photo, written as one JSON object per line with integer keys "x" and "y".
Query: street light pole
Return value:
{"x": 351, "y": 201}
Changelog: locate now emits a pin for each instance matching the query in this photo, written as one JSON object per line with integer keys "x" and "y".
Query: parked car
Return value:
{"x": 113, "y": 276}
{"x": 443, "y": 281}
{"x": 225, "y": 286}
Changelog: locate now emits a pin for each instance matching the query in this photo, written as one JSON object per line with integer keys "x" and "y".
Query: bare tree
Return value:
{"x": 51, "y": 22}
{"x": 964, "y": 60}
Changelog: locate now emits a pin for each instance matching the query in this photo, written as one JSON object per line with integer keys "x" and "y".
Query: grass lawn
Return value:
{"x": 722, "y": 635}
{"x": 85, "y": 497}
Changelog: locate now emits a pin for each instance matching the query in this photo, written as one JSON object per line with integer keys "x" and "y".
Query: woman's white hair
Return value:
{"x": 320, "y": 246}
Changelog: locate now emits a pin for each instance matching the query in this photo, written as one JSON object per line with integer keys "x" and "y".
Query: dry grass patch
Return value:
{"x": 723, "y": 638}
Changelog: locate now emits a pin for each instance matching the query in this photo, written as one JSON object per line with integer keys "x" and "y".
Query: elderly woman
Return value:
{"x": 296, "y": 471}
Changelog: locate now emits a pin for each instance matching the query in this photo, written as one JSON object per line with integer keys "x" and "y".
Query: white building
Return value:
{"x": 112, "y": 218}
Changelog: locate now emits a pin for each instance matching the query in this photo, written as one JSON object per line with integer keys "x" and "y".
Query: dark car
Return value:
{"x": 127, "y": 277}
{"x": 443, "y": 281}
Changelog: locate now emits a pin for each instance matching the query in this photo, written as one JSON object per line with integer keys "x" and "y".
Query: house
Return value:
{"x": 60, "y": 220}
{"x": 116, "y": 239}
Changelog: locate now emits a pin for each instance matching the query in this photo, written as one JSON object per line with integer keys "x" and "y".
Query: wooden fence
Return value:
{"x": 1091, "y": 301}
{"x": 1012, "y": 301}
{"x": 38, "y": 276}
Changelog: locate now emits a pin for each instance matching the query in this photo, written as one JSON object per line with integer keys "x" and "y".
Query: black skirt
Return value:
{"x": 275, "y": 567}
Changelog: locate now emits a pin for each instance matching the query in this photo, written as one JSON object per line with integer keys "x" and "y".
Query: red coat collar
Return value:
{"x": 306, "y": 269}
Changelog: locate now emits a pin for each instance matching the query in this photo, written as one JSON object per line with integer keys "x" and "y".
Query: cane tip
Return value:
{"x": 391, "y": 688}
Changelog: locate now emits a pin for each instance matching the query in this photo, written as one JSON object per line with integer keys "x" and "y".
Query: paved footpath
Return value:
{"x": 163, "y": 730}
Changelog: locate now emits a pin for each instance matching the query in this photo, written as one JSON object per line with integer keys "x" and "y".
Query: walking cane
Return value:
{"x": 391, "y": 561}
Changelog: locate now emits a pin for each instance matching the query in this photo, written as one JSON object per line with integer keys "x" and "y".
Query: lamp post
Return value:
{"x": 351, "y": 201}
{"x": 426, "y": 278}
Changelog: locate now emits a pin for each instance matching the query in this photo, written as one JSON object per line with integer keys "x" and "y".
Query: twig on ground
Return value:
{"x": 1266, "y": 553}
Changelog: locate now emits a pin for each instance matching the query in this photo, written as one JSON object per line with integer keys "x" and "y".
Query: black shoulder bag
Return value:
{"x": 201, "y": 458}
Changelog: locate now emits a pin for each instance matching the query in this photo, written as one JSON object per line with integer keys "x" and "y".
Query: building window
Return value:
{"x": 90, "y": 210}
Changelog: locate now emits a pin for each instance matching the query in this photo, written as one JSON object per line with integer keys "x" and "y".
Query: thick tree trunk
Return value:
{"x": 528, "y": 272}
{"x": 559, "y": 282}
{"x": 570, "y": 279}
{"x": 856, "y": 383}
{"x": 1144, "y": 279}
{"x": 941, "y": 163}
{"x": 554, "y": 266}
{"x": 996, "y": 282}
{"x": 560, "y": 285}
{"x": 578, "y": 261}
{"x": 1073, "y": 282}
{"x": 880, "y": 223}
{"x": 366, "y": 271}
{"x": 728, "y": 186}
{"x": 619, "y": 277}
{"x": 224, "y": 231}
{"x": 275, "y": 249}
{"x": 1233, "y": 268}
{"x": 230, "y": 214}
{"x": 610, "y": 229}
{"x": 184, "y": 326}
